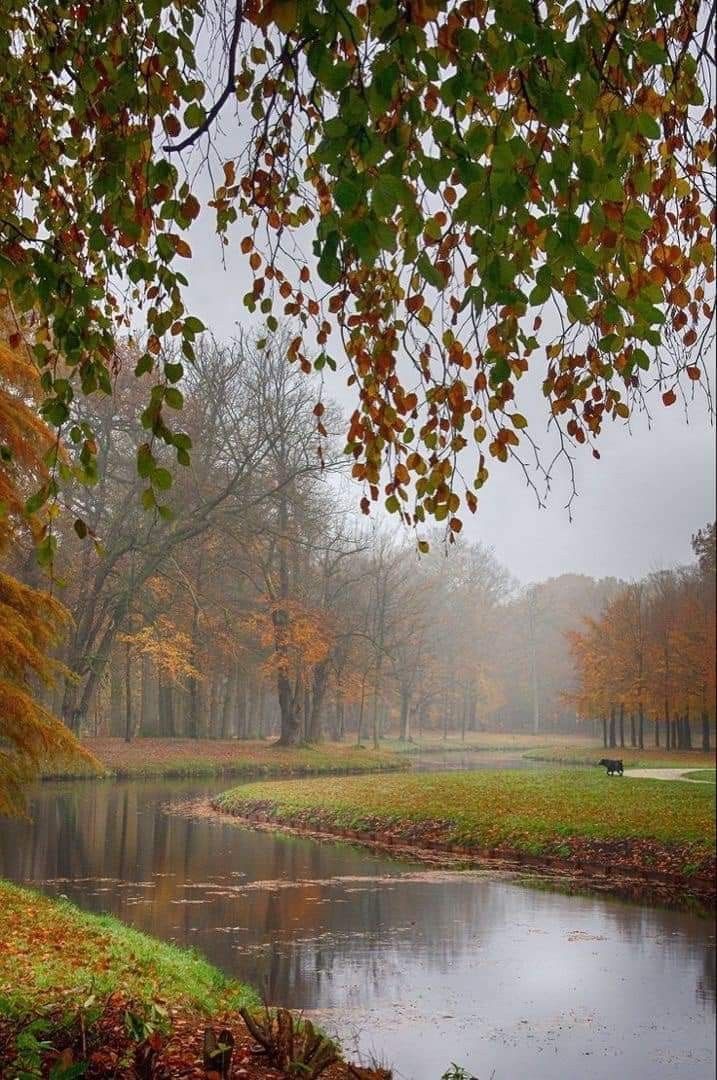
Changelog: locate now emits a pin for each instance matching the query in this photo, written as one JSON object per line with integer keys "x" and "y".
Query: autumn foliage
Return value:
{"x": 31, "y": 620}
{"x": 491, "y": 188}
{"x": 650, "y": 656}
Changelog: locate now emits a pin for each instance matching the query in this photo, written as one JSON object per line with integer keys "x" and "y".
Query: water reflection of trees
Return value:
{"x": 344, "y": 943}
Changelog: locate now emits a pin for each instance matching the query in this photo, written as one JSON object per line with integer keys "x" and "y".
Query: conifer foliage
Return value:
{"x": 31, "y": 619}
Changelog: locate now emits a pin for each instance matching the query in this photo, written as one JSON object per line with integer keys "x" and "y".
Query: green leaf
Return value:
{"x": 388, "y": 192}
{"x": 636, "y": 221}
{"x": 329, "y": 266}
{"x": 194, "y": 115}
{"x": 145, "y": 461}
{"x": 648, "y": 126}
{"x": 161, "y": 478}
{"x": 348, "y": 193}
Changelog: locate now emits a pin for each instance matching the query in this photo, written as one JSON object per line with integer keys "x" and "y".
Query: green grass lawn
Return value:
{"x": 649, "y": 758}
{"x": 51, "y": 954}
{"x": 432, "y": 742}
{"x": 702, "y": 774}
{"x": 526, "y": 811}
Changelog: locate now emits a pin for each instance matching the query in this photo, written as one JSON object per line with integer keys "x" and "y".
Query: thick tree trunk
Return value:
{"x": 640, "y": 726}
{"x": 705, "y": 731}
{"x": 657, "y": 729}
{"x": 404, "y": 731}
{"x": 633, "y": 731}
{"x": 612, "y": 739}
{"x": 622, "y": 724}
{"x": 116, "y": 710}
{"x": 290, "y": 733}
{"x": 319, "y": 679}
{"x": 359, "y": 723}
{"x": 668, "y": 729}
{"x": 166, "y": 709}
{"x": 604, "y": 731}
{"x": 688, "y": 730}
{"x": 148, "y": 717}
{"x": 338, "y": 732}
{"x": 128, "y": 732}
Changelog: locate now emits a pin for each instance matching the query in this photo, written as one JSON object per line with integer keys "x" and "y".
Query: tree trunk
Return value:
{"x": 319, "y": 679}
{"x": 633, "y": 731}
{"x": 404, "y": 730}
{"x": 640, "y": 726}
{"x": 705, "y": 731}
{"x": 116, "y": 710}
{"x": 360, "y": 715}
{"x": 604, "y": 731}
{"x": 657, "y": 729}
{"x": 290, "y": 733}
{"x": 613, "y": 741}
{"x": 688, "y": 730}
{"x": 128, "y": 733}
{"x": 148, "y": 721}
{"x": 622, "y": 724}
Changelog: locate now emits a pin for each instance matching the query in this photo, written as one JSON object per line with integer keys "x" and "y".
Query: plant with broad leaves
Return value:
{"x": 491, "y": 186}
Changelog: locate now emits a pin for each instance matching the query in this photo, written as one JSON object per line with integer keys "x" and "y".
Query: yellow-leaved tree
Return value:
{"x": 31, "y": 619}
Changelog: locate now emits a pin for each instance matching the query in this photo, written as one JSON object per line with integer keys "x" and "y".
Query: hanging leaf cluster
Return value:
{"x": 443, "y": 196}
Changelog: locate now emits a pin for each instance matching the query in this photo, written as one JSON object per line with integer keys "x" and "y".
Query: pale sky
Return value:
{"x": 636, "y": 508}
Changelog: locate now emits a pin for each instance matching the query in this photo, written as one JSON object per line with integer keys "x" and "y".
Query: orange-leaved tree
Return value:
{"x": 31, "y": 620}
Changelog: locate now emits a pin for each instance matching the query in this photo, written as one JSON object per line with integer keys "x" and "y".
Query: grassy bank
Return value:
{"x": 52, "y": 953}
{"x": 85, "y": 995}
{"x": 703, "y": 774}
{"x": 222, "y": 757}
{"x": 477, "y": 741}
{"x": 649, "y": 758}
{"x": 579, "y": 818}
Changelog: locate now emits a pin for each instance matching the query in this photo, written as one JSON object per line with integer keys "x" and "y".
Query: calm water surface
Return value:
{"x": 419, "y": 968}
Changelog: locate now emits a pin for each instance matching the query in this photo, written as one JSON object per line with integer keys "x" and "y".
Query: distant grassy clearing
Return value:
{"x": 649, "y": 758}
{"x": 52, "y": 954}
{"x": 224, "y": 757}
{"x": 434, "y": 743}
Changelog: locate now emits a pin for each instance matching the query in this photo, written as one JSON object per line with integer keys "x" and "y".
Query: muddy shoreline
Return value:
{"x": 643, "y": 884}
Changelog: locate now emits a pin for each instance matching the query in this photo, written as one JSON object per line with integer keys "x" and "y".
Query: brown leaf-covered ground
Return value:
{"x": 144, "y": 757}
{"x": 107, "y": 1050}
{"x": 83, "y": 977}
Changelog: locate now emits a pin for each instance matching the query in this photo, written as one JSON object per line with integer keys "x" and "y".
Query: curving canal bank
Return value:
{"x": 420, "y": 967}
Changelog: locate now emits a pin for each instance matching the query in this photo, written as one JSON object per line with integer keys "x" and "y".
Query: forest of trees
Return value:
{"x": 268, "y": 607}
{"x": 649, "y": 658}
{"x": 433, "y": 200}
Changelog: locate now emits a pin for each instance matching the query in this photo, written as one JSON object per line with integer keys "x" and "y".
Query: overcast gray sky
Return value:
{"x": 636, "y": 508}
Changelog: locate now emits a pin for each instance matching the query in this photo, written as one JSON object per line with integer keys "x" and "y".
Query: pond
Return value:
{"x": 416, "y": 967}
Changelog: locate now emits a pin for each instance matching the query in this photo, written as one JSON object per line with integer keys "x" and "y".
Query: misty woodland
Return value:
{"x": 299, "y": 776}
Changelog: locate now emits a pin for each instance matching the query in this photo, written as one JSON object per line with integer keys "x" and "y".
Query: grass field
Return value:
{"x": 649, "y": 758}
{"x": 51, "y": 952}
{"x": 433, "y": 742}
{"x": 570, "y": 815}
{"x": 703, "y": 774}
{"x": 223, "y": 757}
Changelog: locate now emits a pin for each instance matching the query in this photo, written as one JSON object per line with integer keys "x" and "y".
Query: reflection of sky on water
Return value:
{"x": 422, "y": 968}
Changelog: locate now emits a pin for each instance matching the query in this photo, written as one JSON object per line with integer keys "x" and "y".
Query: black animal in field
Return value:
{"x": 613, "y": 766}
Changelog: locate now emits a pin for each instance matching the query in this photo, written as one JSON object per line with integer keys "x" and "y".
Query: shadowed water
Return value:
{"x": 420, "y": 968}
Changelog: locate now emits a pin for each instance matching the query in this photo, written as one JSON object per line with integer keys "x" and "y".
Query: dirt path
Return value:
{"x": 664, "y": 774}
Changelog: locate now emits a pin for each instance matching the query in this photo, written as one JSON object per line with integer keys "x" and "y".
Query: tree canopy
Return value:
{"x": 488, "y": 187}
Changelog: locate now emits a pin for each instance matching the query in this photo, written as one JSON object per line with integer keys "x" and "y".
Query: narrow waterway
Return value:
{"x": 418, "y": 968}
